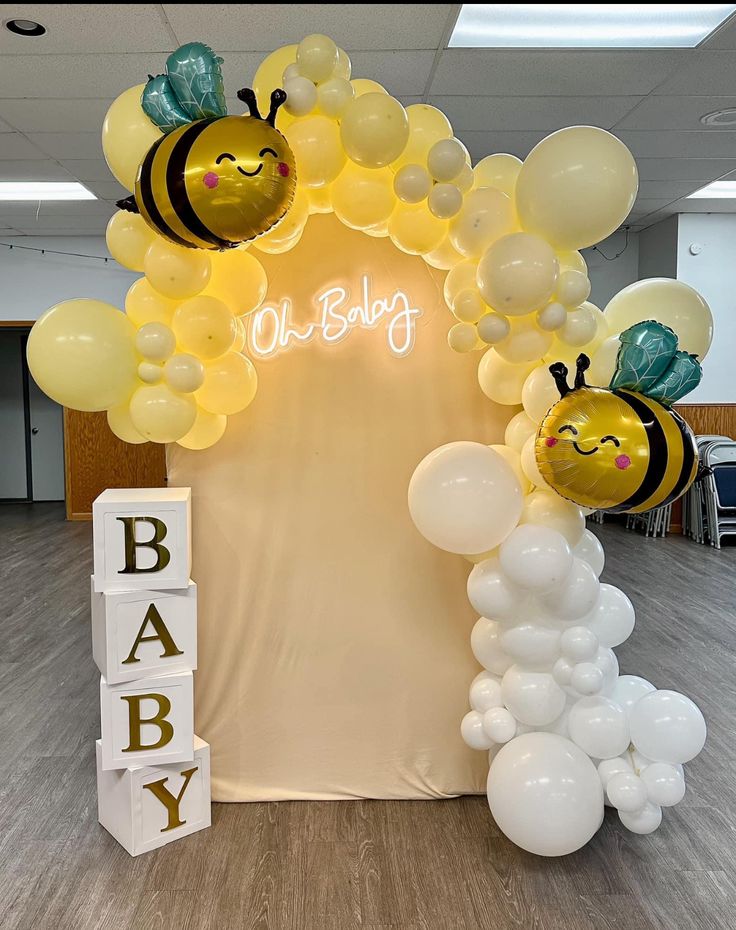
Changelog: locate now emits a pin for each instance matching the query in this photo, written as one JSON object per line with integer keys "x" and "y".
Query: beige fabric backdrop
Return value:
{"x": 334, "y": 657}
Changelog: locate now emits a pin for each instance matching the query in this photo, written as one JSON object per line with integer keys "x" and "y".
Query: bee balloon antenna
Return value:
{"x": 278, "y": 99}
{"x": 559, "y": 373}
{"x": 247, "y": 95}
{"x": 582, "y": 365}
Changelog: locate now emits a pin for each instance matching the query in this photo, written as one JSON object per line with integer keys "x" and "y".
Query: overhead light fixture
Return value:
{"x": 716, "y": 190}
{"x": 44, "y": 190}
{"x": 725, "y": 117}
{"x": 24, "y": 27}
{"x": 600, "y": 25}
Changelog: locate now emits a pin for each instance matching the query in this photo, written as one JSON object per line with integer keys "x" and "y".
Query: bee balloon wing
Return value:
{"x": 161, "y": 105}
{"x": 196, "y": 78}
{"x": 647, "y": 348}
{"x": 683, "y": 374}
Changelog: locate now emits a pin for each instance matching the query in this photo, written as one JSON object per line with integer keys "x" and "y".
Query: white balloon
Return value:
{"x": 642, "y": 821}
{"x": 465, "y": 498}
{"x": 666, "y": 726}
{"x": 533, "y": 698}
{"x": 626, "y": 792}
{"x": 607, "y": 662}
{"x": 578, "y": 644}
{"x": 531, "y": 644}
{"x": 612, "y": 617}
{"x": 492, "y": 594}
{"x": 445, "y": 200}
{"x": 471, "y": 730}
{"x": 599, "y": 727}
{"x": 485, "y": 692}
{"x": 562, "y": 672}
{"x": 535, "y": 557}
{"x": 573, "y": 287}
{"x": 412, "y": 183}
{"x": 665, "y": 783}
{"x": 628, "y": 689}
{"x": 610, "y": 767}
{"x": 499, "y": 725}
{"x": 539, "y": 393}
{"x": 545, "y": 794}
{"x": 301, "y": 96}
{"x": 520, "y": 428}
{"x": 577, "y": 594}
{"x": 492, "y": 328}
{"x": 590, "y": 550}
{"x": 587, "y": 679}
{"x": 486, "y": 646}
{"x": 445, "y": 160}
{"x": 552, "y": 317}
{"x": 530, "y": 469}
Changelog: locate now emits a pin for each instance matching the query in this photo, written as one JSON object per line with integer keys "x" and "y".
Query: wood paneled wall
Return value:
{"x": 95, "y": 459}
{"x": 710, "y": 418}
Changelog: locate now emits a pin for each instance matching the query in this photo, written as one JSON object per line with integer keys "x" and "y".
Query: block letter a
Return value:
{"x": 170, "y": 801}
{"x": 161, "y": 633}
{"x": 163, "y": 556}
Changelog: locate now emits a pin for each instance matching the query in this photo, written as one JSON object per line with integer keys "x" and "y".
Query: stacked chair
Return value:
{"x": 654, "y": 523}
{"x": 709, "y": 507}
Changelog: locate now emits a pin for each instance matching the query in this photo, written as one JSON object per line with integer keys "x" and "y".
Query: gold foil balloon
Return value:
{"x": 127, "y": 134}
{"x": 82, "y": 354}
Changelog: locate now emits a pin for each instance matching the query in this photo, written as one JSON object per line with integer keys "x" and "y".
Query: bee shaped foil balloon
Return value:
{"x": 622, "y": 448}
{"x": 212, "y": 180}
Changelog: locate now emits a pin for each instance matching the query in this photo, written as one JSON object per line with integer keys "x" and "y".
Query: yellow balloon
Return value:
{"x": 238, "y": 279}
{"x": 529, "y": 466}
{"x": 118, "y": 419}
{"x": 320, "y": 199}
{"x": 241, "y": 337}
{"x": 363, "y": 197}
{"x": 545, "y": 508}
{"x": 501, "y": 381}
{"x": 444, "y": 257}
{"x": 486, "y": 215}
{"x": 539, "y": 393}
{"x": 579, "y": 324}
{"x": 374, "y": 130}
{"x": 184, "y": 373}
{"x": 230, "y": 384}
{"x": 580, "y": 327}
{"x": 469, "y": 306}
{"x": 512, "y": 458}
{"x": 277, "y": 246}
{"x": 499, "y": 171}
{"x": 519, "y": 428}
{"x": 316, "y": 57}
{"x": 603, "y": 362}
{"x": 576, "y": 187}
{"x": 127, "y": 134}
{"x": 462, "y": 337}
{"x": 673, "y": 303}
{"x": 334, "y": 96}
{"x": 290, "y": 227}
{"x": 413, "y": 229}
{"x": 518, "y": 274}
{"x": 269, "y": 76}
{"x": 160, "y": 414}
{"x": 205, "y": 327}
{"x": 319, "y": 155}
{"x": 128, "y": 237}
{"x": 207, "y": 430}
{"x": 344, "y": 66}
{"x": 526, "y": 342}
{"x": 176, "y": 272}
{"x": 460, "y": 278}
{"x": 366, "y": 86}
{"x": 573, "y": 260}
{"x": 379, "y": 231}
{"x": 144, "y": 305}
{"x": 427, "y": 125}
{"x": 82, "y": 354}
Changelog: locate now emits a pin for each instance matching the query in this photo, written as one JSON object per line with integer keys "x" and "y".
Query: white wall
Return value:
{"x": 658, "y": 249}
{"x": 713, "y": 274}
{"x": 609, "y": 277}
{"x": 31, "y": 283}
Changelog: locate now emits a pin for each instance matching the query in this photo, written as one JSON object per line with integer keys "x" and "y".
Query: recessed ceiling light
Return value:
{"x": 599, "y": 25}
{"x": 725, "y": 117}
{"x": 24, "y": 27}
{"x": 716, "y": 190}
{"x": 44, "y": 190}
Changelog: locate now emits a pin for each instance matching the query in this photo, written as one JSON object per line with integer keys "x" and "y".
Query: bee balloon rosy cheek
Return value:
{"x": 551, "y": 441}
{"x": 283, "y": 169}
{"x": 622, "y": 461}
{"x": 211, "y": 179}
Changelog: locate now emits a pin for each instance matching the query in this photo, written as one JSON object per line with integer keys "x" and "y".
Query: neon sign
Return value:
{"x": 271, "y": 329}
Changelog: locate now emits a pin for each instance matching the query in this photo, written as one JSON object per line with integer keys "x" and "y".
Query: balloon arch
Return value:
{"x": 209, "y": 192}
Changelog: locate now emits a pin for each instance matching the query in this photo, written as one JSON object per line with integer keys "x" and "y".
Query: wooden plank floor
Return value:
{"x": 435, "y": 865}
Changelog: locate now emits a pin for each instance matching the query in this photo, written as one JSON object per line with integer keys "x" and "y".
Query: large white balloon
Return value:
{"x": 612, "y": 617}
{"x": 628, "y": 689}
{"x": 665, "y": 783}
{"x": 486, "y": 645}
{"x": 576, "y": 596}
{"x": 626, "y": 791}
{"x": 599, "y": 727}
{"x": 531, "y": 644}
{"x": 590, "y": 550}
{"x": 545, "y": 794}
{"x": 642, "y": 821}
{"x": 492, "y": 594}
{"x": 465, "y": 498}
{"x": 485, "y": 692}
{"x": 533, "y": 698}
{"x": 535, "y": 557}
{"x": 666, "y": 726}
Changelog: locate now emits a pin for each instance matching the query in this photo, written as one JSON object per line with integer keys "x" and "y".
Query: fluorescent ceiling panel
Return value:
{"x": 601, "y": 25}
{"x": 43, "y": 190}
{"x": 717, "y": 190}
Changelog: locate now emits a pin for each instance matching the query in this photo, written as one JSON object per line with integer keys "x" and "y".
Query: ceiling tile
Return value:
{"x": 707, "y": 72}
{"x": 87, "y": 169}
{"x": 554, "y": 73}
{"x": 664, "y": 144}
{"x": 39, "y": 115}
{"x": 488, "y": 142}
{"x": 684, "y": 169}
{"x": 399, "y": 72}
{"x": 68, "y": 144}
{"x": 14, "y": 146}
{"x": 87, "y": 27}
{"x": 720, "y": 205}
{"x": 25, "y": 212}
{"x": 667, "y": 189}
{"x": 107, "y": 190}
{"x": 266, "y": 26}
{"x": 532, "y": 113}
{"x": 35, "y": 170}
{"x": 76, "y": 76}
{"x": 673, "y": 113}
{"x": 724, "y": 37}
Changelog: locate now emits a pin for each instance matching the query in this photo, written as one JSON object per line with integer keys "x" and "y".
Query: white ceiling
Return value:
{"x": 54, "y": 91}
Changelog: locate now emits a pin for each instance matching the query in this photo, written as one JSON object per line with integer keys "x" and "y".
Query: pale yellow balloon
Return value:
{"x": 344, "y": 67}
{"x": 460, "y": 278}
{"x": 445, "y": 200}
{"x": 269, "y": 76}
{"x": 485, "y": 217}
{"x": 176, "y": 272}
{"x": 277, "y": 246}
{"x": 469, "y": 306}
{"x": 374, "y": 130}
{"x": 464, "y": 180}
{"x": 379, "y": 231}
{"x": 241, "y": 337}
{"x": 150, "y": 372}
{"x": 500, "y": 380}
{"x": 446, "y": 159}
{"x": 512, "y": 458}
{"x": 317, "y": 57}
{"x": 413, "y": 229}
{"x": 205, "y": 327}
{"x": 412, "y": 183}
{"x": 580, "y": 327}
{"x": 238, "y": 279}
{"x": 546, "y": 508}
{"x": 118, "y": 419}
{"x": 160, "y": 414}
{"x": 230, "y": 384}
{"x": 320, "y": 199}
{"x": 573, "y": 287}
{"x": 444, "y": 257}
{"x": 519, "y": 428}
{"x": 493, "y": 328}
{"x": 499, "y": 171}
{"x": 363, "y": 197}
{"x": 334, "y": 96}
{"x": 127, "y": 134}
{"x": 155, "y": 341}
{"x": 184, "y": 373}
{"x": 576, "y": 187}
{"x": 128, "y": 237}
{"x": 673, "y": 303}
{"x": 572, "y": 260}
{"x": 318, "y": 151}
{"x": 539, "y": 393}
{"x": 427, "y": 125}
{"x": 561, "y": 351}
{"x": 366, "y": 86}
{"x": 529, "y": 465}
{"x": 462, "y": 337}
{"x": 144, "y": 305}
{"x": 526, "y": 342}
{"x": 603, "y": 362}
{"x": 81, "y": 353}
{"x": 208, "y": 429}
{"x": 518, "y": 274}
{"x": 289, "y": 228}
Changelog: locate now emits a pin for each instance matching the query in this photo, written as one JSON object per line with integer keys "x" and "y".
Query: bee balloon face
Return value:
{"x": 216, "y": 182}
{"x": 615, "y": 450}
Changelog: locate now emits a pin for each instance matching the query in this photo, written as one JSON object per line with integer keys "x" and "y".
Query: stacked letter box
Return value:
{"x": 153, "y": 773}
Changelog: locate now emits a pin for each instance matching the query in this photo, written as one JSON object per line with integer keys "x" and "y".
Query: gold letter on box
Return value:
{"x": 135, "y": 721}
{"x": 171, "y": 802}
{"x": 162, "y": 633}
{"x": 163, "y": 555}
